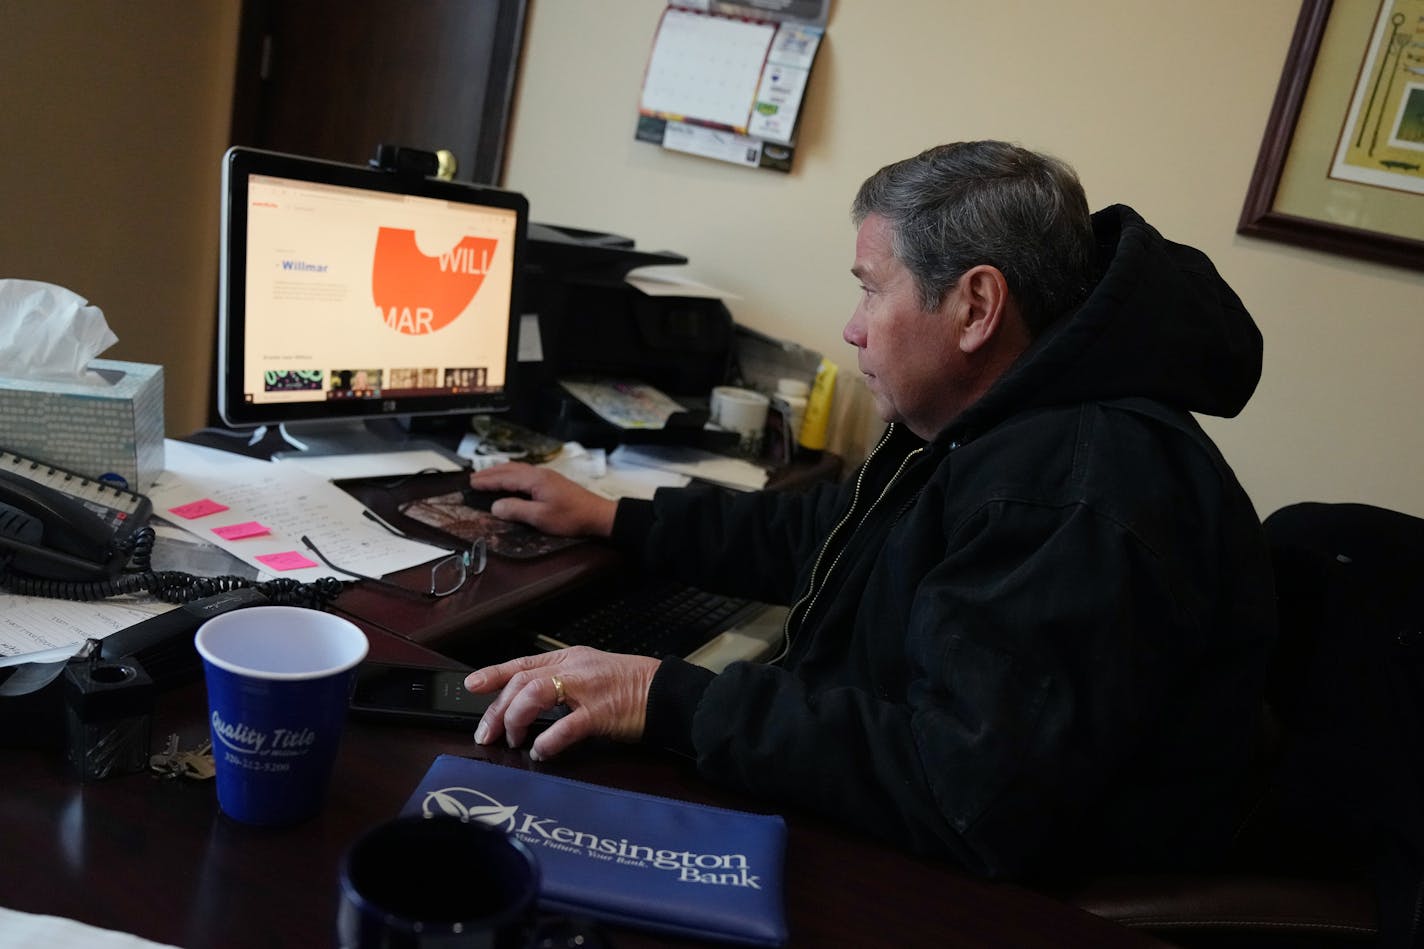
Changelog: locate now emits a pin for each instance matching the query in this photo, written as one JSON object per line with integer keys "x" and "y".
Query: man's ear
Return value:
{"x": 985, "y": 307}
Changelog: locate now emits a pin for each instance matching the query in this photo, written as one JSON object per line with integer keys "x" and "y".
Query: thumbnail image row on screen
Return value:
{"x": 364, "y": 381}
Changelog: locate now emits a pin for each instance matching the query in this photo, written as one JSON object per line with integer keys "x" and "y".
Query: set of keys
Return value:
{"x": 196, "y": 764}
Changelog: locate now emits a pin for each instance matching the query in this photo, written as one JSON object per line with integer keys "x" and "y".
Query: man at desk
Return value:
{"x": 1029, "y": 634}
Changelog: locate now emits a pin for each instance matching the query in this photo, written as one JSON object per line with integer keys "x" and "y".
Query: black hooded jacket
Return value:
{"x": 1033, "y": 645}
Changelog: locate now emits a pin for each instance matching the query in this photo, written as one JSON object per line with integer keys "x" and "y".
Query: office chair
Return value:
{"x": 1332, "y": 854}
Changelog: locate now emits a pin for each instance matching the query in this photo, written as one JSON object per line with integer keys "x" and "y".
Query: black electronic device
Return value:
{"x": 573, "y": 253}
{"x": 32, "y": 694}
{"x": 481, "y": 500}
{"x": 70, "y": 537}
{"x": 165, "y": 642}
{"x": 658, "y": 618}
{"x": 352, "y": 295}
{"x": 594, "y": 323}
{"x": 405, "y": 161}
{"x": 109, "y": 717}
{"x": 60, "y": 525}
{"x": 421, "y": 695}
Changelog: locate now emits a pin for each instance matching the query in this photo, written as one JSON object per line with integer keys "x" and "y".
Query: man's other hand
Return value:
{"x": 606, "y": 694}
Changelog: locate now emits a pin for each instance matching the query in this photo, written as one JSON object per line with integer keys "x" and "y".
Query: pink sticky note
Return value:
{"x": 239, "y": 531}
{"x": 196, "y": 509}
{"x": 289, "y": 560}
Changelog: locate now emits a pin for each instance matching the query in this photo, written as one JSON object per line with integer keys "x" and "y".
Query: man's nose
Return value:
{"x": 853, "y": 333}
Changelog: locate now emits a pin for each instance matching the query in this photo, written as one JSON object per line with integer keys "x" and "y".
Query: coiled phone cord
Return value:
{"x": 170, "y": 586}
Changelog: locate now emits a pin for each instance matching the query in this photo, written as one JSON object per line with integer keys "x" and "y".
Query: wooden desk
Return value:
{"x": 155, "y": 857}
{"x": 476, "y": 624}
{"x": 472, "y": 625}
{"x": 481, "y": 622}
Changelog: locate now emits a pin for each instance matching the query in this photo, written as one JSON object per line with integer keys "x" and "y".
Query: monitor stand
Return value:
{"x": 352, "y": 437}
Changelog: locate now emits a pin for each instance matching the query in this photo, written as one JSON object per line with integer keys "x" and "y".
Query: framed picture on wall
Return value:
{"x": 1341, "y": 166}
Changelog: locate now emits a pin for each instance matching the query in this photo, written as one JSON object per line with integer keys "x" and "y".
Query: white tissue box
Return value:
{"x": 91, "y": 430}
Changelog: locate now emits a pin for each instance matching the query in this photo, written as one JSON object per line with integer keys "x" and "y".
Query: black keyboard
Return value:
{"x": 660, "y": 620}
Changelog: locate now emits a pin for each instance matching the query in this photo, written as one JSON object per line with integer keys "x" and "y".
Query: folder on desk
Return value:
{"x": 633, "y": 859}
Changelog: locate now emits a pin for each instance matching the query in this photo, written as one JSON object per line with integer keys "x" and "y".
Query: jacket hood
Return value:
{"x": 1161, "y": 323}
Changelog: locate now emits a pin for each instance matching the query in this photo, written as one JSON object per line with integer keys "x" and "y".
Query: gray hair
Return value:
{"x": 956, "y": 206}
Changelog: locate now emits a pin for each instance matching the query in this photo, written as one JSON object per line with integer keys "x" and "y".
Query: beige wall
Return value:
{"x": 113, "y": 117}
{"x": 1157, "y": 103}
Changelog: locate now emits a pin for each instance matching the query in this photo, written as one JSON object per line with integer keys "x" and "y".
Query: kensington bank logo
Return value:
{"x": 469, "y": 805}
{"x": 718, "y": 869}
{"x": 417, "y": 293}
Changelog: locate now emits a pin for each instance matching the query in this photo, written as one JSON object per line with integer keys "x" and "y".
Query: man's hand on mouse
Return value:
{"x": 552, "y": 504}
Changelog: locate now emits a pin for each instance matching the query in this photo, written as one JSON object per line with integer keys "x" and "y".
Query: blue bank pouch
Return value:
{"x": 623, "y": 857}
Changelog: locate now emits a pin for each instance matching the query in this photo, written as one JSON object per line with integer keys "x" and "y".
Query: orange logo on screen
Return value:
{"x": 418, "y": 294}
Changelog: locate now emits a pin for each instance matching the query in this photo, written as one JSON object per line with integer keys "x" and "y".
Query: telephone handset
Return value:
{"x": 60, "y": 525}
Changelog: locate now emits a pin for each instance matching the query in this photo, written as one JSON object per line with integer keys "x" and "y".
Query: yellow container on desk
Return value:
{"x": 818, "y": 408}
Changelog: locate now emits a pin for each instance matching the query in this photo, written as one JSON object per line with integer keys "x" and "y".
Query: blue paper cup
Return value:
{"x": 277, "y": 681}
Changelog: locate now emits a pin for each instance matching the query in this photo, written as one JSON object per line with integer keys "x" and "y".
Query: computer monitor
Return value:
{"x": 351, "y": 295}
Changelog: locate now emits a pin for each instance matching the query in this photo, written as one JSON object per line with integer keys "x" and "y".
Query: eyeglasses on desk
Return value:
{"x": 448, "y": 575}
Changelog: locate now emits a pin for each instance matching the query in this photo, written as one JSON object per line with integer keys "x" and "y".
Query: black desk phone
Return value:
{"x": 61, "y": 525}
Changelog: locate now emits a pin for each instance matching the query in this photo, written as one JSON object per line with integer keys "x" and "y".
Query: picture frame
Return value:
{"x": 1301, "y": 191}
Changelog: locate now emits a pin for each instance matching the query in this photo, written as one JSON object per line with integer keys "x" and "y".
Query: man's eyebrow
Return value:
{"x": 858, "y": 272}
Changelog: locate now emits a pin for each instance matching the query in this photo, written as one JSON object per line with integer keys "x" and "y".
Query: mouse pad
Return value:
{"x": 450, "y": 513}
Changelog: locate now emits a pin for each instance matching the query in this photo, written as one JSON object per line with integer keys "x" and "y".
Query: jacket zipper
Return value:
{"x": 813, "y": 592}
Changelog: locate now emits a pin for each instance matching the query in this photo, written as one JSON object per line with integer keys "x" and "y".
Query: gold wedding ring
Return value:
{"x": 558, "y": 689}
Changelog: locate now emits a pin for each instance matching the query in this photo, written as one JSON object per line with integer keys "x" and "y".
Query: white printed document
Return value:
{"x": 38, "y": 629}
{"x": 258, "y": 511}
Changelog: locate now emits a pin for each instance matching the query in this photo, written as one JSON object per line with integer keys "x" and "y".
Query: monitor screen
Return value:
{"x": 349, "y": 293}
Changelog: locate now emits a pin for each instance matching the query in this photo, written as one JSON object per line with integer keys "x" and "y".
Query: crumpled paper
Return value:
{"x": 48, "y": 332}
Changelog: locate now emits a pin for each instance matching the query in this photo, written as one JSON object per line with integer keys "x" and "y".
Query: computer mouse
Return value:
{"x": 481, "y": 500}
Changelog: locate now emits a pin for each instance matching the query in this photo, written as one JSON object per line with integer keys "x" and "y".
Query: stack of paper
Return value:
{"x": 694, "y": 463}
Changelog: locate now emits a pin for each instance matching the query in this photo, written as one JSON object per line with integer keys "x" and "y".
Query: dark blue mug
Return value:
{"x": 426, "y": 882}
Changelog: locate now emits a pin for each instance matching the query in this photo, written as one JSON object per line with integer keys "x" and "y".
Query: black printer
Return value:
{"x": 592, "y": 323}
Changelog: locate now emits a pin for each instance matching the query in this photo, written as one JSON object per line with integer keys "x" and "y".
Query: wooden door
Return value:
{"x": 335, "y": 78}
